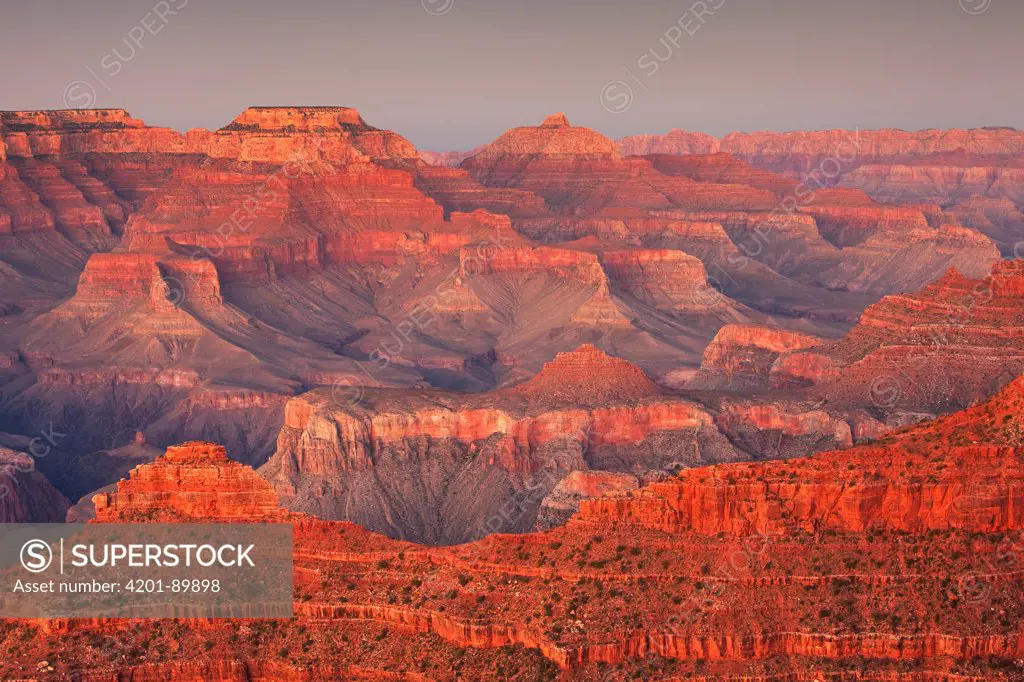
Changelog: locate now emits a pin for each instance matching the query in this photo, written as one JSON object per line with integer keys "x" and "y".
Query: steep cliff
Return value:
{"x": 954, "y": 342}
{"x": 443, "y": 467}
{"x": 896, "y": 561}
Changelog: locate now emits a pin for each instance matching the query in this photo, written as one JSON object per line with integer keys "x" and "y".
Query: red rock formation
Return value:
{"x": 900, "y": 556}
{"x": 950, "y": 344}
{"x": 588, "y": 376}
{"x": 723, "y": 169}
{"x": 600, "y": 309}
{"x": 999, "y": 219}
{"x": 942, "y": 178}
{"x": 662, "y": 278}
{"x": 745, "y": 353}
{"x": 456, "y": 190}
{"x": 776, "y": 430}
{"x": 954, "y": 342}
{"x": 526, "y": 259}
{"x": 579, "y": 171}
{"x": 436, "y": 451}
{"x": 899, "y": 484}
{"x": 802, "y": 369}
{"x": 459, "y": 299}
{"x": 554, "y": 137}
{"x": 800, "y": 151}
{"x": 449, "y": 159}
{"x": 193, "y": 481}
{"x": 559, "y": 506}
{"x": 675, "y": 141}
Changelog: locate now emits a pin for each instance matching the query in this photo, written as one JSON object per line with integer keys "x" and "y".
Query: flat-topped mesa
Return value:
{"x": 196, "y": 452}
{"x": 107, "y": 132}
{"x": 194, "y": 481}
{"x": 587, "y": 376}
{"x": 300, "y": 135}
{"x": 298, "y": 119}
{"x": 67, "y": 119}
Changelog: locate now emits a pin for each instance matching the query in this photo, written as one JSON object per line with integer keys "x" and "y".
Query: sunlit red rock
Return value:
{"x": 588, "y": 376}
{"x": 564, "y": 500}
{"x": 192, "y": 481}
{"x": 954, "y": 342}
{"x": 898, "y": 556}
{"x": 744, "y": 353}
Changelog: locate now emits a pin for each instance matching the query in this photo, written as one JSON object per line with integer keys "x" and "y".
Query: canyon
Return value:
{"x": 560, "y": 407}
{"x": 371, "y": 325}
{"x": 897, "y": 559}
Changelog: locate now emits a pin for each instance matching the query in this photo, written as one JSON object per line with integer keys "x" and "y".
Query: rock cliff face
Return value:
{"x": 564, "y": 500}
{"x": 951, "y": 344}
{"x": 954, "y": 342}
{"x": 938, "y": 476}
{"x": 665, "y": 279}
{"x": 901, "y": 556}
{"x": 937, "y": 167}
{"x": 999, "y": 219}
{"x": 446, "y": 467}
{"x": 746, "y": 354}
{"x": 577, "y": 170}
{"x": 786, "y": 238}
{"x": 725, "y": 170}
{"x": 190, "y": 482}
{"x": 676, "y": 141}
{"x": 25, "y": 494}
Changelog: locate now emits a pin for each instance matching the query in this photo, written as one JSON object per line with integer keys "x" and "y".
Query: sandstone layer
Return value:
{"x": 892, "y": 561}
